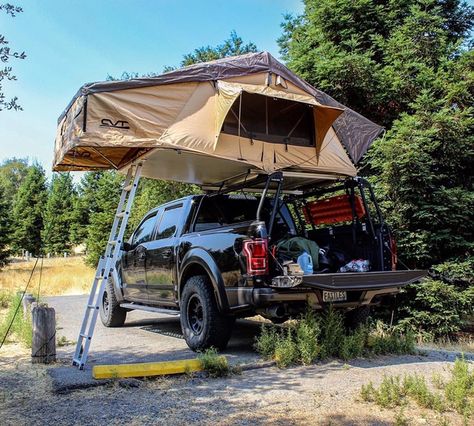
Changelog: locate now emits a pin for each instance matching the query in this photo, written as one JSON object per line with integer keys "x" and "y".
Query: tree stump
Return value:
{"x": 43, "y": 349}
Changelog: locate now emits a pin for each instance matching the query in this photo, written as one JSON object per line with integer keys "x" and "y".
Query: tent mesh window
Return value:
{"x": 271, "y": 120}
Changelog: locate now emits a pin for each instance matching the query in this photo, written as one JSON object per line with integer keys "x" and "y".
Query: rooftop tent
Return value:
{"x": 211, "y": 122}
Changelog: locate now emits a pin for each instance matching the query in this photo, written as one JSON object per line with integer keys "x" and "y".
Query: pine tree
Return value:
{"x": 58, "y": 217}
{"x": 4, "y": 229}
{"x": 152, "y": 193}
{"x": 103, "y": 193}
{"x": 27, "y": 215}
{"x": 404, "y": 65}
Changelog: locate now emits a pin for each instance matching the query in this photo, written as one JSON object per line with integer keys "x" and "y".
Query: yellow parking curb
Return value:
{"x": 146, "y": 369}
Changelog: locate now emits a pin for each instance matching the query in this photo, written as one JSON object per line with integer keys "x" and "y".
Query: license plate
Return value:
{"x": 334, "y": 296}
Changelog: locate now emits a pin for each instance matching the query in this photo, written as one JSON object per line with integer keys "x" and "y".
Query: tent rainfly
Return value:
{"x": 211, "y": 122}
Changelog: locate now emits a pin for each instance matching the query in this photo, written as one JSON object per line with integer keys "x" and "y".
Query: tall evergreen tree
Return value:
{"x": 27, "y": 215}
{"x": 58, "y": 216}
{"x": 103, "y": 196}
{"x": 4, "y": 228}
{"x": 406, "y": 63}
{"x": 375, "y": 56}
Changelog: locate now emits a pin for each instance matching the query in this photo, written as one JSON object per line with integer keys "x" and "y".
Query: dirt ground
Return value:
{"x": 322, "y": 394}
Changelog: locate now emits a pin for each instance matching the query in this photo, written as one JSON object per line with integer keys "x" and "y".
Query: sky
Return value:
{"x": 71, "y": 42}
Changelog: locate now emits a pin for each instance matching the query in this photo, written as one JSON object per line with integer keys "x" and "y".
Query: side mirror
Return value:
{"x": 126, "y": 246}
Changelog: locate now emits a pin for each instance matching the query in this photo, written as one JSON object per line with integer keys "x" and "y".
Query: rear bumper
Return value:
{"x": 363, "y": 289}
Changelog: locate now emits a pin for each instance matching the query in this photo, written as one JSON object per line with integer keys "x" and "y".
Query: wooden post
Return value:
{"x": 28, "y": 299}
{"x": 43, "y": 349}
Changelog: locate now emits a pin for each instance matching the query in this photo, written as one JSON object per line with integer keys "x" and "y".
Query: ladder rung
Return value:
{"x": 128, "y": 188}
{"x": 77, "y": 361}
{"x": 121, "y": 214}
{"x": 85, "y": 336}
{"x": 113, "y": 242}
{"x": 92, "y": 307}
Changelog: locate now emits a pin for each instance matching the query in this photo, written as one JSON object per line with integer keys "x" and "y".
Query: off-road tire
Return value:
{"x": 111, "y": 314}
{"x": 357, "y": 317}
{"x": 279, "y": 321}
{"x": 215, "y": 329}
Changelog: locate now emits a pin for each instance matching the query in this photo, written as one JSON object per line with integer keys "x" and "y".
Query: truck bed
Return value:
{"x": 362, "y": 280}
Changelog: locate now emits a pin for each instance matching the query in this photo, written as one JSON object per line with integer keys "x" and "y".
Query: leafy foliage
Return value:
{"x": 214, "y": 364}
{"x": 434, "y": 308}
{"x": 12, "y": 173}
{"x": 233, "y": 46}
{"x": 6, "y": 54}
{"x": 407, "y": 65}
{"x": 458, "y": 392}
{"x": 311, "y": 338}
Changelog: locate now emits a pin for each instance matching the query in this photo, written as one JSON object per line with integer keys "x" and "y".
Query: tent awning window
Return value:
{"x": 268, "y": 119}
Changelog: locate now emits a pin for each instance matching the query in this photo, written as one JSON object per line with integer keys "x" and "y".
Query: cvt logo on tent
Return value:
{"x": 120, "y": 124}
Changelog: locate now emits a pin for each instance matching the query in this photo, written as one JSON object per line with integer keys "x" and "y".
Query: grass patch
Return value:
{"x": 214, "y": 364}
{"x": 311, "y": 338}
{"x": 456, "y": 394}
{"x": 60, "y": 276}
{"x": 21, "y": 329}
{"x": 5, "y": 299}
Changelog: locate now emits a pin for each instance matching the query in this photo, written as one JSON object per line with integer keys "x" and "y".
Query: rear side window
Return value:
{"x": 144, "y": 230}
{"x": 220, "y": 211}
{"x": 169, "y": 221}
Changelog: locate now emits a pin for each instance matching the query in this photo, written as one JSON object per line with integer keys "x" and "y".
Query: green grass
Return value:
{"x": 21, "y": 330}
{"x": 311, "y": 338}
{"x": 456, "y": 394}
{"x": 5, "y": 299}
{"x": 214, "y": 364}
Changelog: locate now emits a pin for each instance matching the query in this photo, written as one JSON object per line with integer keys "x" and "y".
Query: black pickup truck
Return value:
{"x": 212, "y": 258}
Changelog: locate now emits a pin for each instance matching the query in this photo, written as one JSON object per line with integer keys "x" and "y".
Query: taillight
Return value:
{"x": 256, "y": 252}
{"x": 393, "y": 250}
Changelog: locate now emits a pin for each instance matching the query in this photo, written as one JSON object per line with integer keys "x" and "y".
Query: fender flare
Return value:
{"x": 199, "y": 256}
{"x": 116, "y": 277}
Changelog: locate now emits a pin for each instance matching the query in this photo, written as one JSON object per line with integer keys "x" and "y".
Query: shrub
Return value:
{"x": 5, "y": 299}
{"x": 353, "y": 345}
{"x": 458, "y": 392}
{"x": 21, "y": 329}
{"x": 307, "y": 333}
{"x": 435, "y": 308}
{"x": 332, "y": 333}
{"x": 265, "y": 343}
{"x": 286, "y": 351}
{"x": 311, "y": 338}
{"x": 386, "y": 340}
{"x": 214, "y": 364}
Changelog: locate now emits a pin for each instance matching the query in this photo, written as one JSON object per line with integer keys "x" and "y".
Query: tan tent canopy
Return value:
{"x": 211, "y": 122}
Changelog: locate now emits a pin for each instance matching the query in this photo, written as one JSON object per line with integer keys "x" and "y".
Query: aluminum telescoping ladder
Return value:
{"x": 106, "y": 266}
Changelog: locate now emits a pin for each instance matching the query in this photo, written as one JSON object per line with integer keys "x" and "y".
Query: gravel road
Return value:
{"x": 321, "y": 394}
{"x": 145, "y": 337}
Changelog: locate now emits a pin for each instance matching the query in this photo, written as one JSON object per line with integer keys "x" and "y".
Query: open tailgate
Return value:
{"x": 345, "y": 281}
